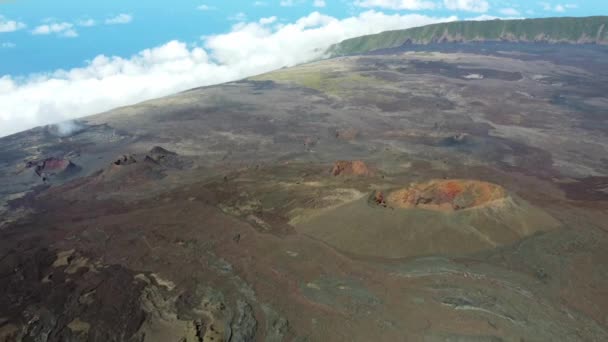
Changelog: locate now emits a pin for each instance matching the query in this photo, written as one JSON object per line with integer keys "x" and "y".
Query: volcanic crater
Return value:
{"x": 244, "y": 234}
{"x": 447, "y": 195}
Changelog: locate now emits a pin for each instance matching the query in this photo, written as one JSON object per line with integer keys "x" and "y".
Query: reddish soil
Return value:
{"x": 56, "y": 164}
{"x": 450, "y": 195}
{"x": 351, "y": 168}
{"x": 50, "y": 166}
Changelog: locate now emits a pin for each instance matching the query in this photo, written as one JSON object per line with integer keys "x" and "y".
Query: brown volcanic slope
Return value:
{"x": 213, "y": 214}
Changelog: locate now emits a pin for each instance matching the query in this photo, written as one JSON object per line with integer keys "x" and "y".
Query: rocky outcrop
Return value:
{"x": 125, "y": 160}
{"x": 244, "y": 325}
{"x": 456, "y": 139}
{"x": 166, "y": 158}
{"x": 276, "y": 325}
{"x": 53, "y": 167}
{"x": 351, "y": 168}
{"x": 135, "y": 168}
{"x": 156, "y": 155}
{"x": 65, "y": 296}
{"x": 161, "y": 152}
{"x": 347, "y": 134}
{"x": 379, "y": 198}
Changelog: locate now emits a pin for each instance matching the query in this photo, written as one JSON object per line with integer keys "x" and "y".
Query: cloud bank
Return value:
{"x": 560, "y": 8}
{"x": 7, "y": 25}
{"x": 63, "y": 29}
{"x": 122, "y": 18}
{"x": 248, "y": 49}
{"x": 397, "y": 4}
{"x": 479, "y": 6}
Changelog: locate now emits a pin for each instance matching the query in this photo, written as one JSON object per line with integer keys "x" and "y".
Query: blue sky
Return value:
{"x": 62, "y": 59}
{"x": 153, "y": 22}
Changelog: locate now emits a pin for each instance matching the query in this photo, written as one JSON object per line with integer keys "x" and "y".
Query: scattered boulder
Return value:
{"x": 351, "y": 168}
{"x": 310, "y": 142}
{"x": 347, "y": 134}
{"x": 125, "y": 160}
{"x": 379, "y": 198}
{"x": 457, "y": 139}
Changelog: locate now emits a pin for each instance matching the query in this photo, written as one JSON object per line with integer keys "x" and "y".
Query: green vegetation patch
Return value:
{"x": 326, "y": 80}
{"x": 551, "y": 30}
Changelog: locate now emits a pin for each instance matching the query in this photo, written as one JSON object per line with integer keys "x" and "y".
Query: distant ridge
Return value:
{"x": 582, "y": 30}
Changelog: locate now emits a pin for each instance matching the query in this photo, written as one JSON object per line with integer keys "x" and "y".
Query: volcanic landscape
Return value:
{"x": 446, "y": 192}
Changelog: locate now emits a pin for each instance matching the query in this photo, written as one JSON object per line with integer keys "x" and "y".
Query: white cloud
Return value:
{"x": 509, "y": 11}
{"x": 397, "y": 4}
{"x": 86, "y": 22}
{"x": 238, "y": 17}
{"x": 204, "y": 7}
{"x": 480, "y": 6}
{"x": 467, "y": 5}
{"x": 62, "y": 29}
{"x": 290, "y": 3}
{"x": 268, "y": 21}
{"x": 70, "y": 34}
{"x": 8, "y": 45}
{"x": 319, "y": 3}
{"x": 486, "y": 17}
{"x": 560, "y": 8}
{"x": 260, "y": 3}
{"x": 483, "y": 17}
{"x": 249, "y": 49}
{"x": 7, "y": 25}
{"x": 119, "y": 19}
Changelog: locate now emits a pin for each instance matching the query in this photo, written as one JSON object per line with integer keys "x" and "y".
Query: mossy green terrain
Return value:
{"x": 550, "y": 30}
{"x": 324, "y": 77}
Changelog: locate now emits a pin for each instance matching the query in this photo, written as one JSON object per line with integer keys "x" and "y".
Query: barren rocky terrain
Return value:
{"x": 456, "y": 192}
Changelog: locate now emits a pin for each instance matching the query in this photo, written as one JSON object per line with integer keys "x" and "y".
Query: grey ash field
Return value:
{"x": 450, "y": 192}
